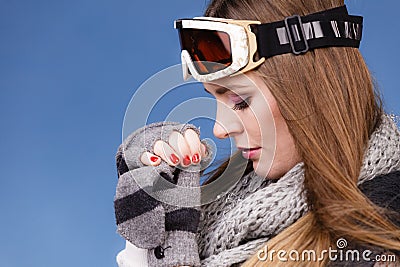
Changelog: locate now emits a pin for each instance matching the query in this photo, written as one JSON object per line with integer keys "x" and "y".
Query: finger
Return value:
{"x": 192, "y": 139}
{"x": 166, "y": 152}
{"x": 179, "y": 144}
{"x": 150, "y": 159}
{"x": 203, "y": 148}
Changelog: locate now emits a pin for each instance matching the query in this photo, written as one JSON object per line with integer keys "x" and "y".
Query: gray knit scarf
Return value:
{"x": 255, "y": 209}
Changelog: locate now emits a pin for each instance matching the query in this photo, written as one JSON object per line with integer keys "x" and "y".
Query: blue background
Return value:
{"x": 67, "y": 72}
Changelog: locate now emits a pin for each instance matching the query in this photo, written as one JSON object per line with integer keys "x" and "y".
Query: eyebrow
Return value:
{"x": 218, "y": 91}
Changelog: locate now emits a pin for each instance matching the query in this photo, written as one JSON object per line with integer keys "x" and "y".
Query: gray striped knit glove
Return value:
{"x": 157, "y": 207}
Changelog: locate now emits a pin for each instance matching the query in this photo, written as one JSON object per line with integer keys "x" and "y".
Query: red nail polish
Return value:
{"x": 196, "y": 158}
{"x": 186, "y": 160}
{"x": 153, "y": 159}
{"x": 174, "y": 158}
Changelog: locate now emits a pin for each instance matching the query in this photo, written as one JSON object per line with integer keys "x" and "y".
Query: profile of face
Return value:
{"x": 249, "y": 113}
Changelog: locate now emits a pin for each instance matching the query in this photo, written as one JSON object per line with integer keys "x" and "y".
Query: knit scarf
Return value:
{"x": 234, "y": 227}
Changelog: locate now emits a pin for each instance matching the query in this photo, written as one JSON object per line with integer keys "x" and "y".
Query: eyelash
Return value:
{"x": 242, "y": 105}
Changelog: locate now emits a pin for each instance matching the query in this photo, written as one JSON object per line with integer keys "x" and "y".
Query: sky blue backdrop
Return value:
{"x": 67, "y": 72}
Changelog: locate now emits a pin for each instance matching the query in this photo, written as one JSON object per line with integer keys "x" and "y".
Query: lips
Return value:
{"x": 245, "y": 148}
{"x": 250, "y": 153}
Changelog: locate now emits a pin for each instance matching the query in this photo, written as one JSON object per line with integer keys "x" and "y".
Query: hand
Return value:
{"x": 183, "y": 149}
{"x": 158, "y": 214}
{"x": 165, "y": 138}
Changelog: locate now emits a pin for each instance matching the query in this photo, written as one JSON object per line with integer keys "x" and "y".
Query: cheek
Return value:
{"x": 282, "y": 131}
{"x": 266, "y": 116}
{"x": 263, "y": 120}
{"x": 250, "y": 123}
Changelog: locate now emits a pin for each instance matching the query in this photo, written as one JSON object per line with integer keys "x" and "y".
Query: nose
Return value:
{"x": 227, "y": 123}
{"x": 219, "y": 131}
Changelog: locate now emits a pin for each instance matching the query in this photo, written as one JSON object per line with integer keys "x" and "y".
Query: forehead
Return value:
{"x": 235, "y": 83}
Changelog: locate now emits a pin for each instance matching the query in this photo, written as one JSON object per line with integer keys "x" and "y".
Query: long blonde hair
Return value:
{"x": 328, "y": 100}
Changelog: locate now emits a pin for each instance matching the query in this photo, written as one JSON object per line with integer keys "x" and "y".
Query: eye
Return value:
{"x": 242, "y": 105}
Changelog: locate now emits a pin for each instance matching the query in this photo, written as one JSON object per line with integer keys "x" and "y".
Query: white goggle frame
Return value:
{"x": 243, "y": 46}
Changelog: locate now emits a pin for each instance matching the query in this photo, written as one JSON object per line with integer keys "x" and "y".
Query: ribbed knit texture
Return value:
{"x": 234, "y": 227}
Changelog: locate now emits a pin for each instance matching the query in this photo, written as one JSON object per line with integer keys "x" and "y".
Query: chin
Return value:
{"x": 261, "y": 170}
{"x": 264, "y": 168}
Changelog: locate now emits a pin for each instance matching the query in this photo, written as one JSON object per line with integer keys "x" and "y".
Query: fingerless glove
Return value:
{"x": 157, "y": 207}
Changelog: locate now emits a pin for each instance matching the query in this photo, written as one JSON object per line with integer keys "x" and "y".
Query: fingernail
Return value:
{"x": 153, "y": 159}
{"x": 174, "y": 158}
{"x": 186, "y": 160}
{"x": 196, "y": 158}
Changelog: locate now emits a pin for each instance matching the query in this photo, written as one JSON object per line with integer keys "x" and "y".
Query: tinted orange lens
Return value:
{"x": 210, "y": 50}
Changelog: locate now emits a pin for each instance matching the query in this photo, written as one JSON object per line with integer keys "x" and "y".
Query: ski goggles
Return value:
{"x": 213, "y": 48}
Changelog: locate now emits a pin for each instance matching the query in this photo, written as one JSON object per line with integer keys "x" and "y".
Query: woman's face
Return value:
{"x": 248, "y": 113}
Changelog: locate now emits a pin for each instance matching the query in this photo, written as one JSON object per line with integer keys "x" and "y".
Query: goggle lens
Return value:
{"x": 207, "y": 46}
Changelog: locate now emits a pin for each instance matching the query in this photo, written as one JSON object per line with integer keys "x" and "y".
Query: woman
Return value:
{"x": 335, "y": 172}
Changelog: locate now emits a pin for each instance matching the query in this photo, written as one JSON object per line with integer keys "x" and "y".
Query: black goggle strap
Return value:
{"x": 297, "y": 35}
